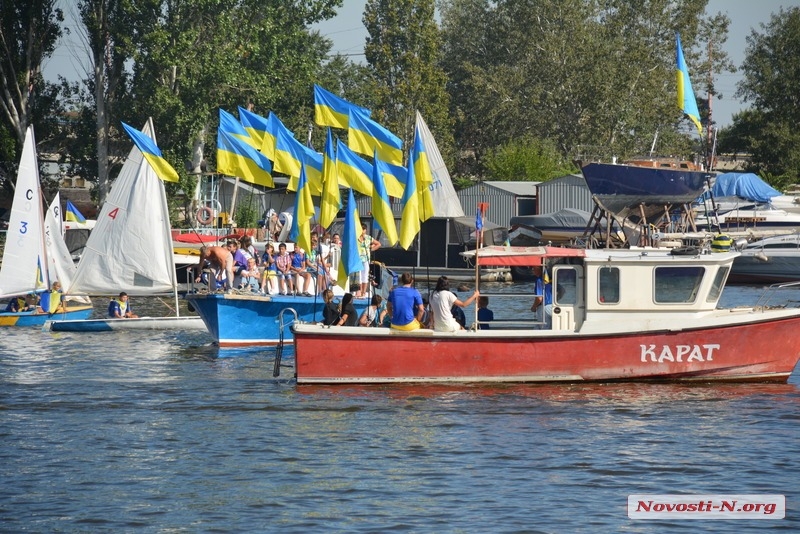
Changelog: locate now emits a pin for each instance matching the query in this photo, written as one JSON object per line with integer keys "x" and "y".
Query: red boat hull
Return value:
{"x": 766, "y": 350}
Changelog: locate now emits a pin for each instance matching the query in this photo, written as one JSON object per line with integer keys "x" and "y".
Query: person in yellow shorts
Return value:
{"x": 406, "y": 305}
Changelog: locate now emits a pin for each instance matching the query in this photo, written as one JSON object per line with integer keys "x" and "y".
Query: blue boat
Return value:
{"x": 245, "y": 320}
{"x": 34, "y": 318}
{"x": 621, "y": 186}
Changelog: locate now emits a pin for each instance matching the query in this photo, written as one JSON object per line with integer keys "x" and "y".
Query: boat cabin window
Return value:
{"x": 608, "y": 285}
{"x": 719, "y": 283}
{"x": 677, "y": 284}
{"x": 564, "y": 290}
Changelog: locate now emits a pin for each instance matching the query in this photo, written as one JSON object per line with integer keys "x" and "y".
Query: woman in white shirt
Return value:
{"x": 442, "y": 301}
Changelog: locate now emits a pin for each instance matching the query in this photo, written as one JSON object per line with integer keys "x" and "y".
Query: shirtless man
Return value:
{"x": 220, "y": 259}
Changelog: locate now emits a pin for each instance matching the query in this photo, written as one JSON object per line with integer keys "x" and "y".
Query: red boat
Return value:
{"x": 641, "y": 315}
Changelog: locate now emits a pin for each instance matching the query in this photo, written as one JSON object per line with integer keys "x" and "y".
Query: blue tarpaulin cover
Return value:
{"x": 743, "y": 184}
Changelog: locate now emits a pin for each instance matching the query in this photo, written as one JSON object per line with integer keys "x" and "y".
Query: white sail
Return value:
{"x": 61, "y": 267}
{"x": 24, "y": 267}
{"x": 130, "y": 248}
{"x": 443, "y": 194}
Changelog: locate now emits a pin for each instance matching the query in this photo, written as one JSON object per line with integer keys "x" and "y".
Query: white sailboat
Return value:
{"x": 30, "y": 257}
{"x": 130, "y": 250}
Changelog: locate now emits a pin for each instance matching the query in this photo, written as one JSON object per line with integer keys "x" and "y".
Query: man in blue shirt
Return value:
{"x": 406, "y": 305}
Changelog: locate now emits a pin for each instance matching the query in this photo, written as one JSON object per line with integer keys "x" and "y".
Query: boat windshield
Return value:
{"x": 675, "y": 285}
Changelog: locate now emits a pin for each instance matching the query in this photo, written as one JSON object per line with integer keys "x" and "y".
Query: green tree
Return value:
{"x": 527, "y": 159}
{"x": 582, "y": 74}
{"x": 404, "y": 48}
{"x": 772, "y": 83}
{"x": 29, "y": 33}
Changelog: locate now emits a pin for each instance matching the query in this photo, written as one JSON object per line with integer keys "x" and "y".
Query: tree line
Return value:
{"x": 512, "y": 89}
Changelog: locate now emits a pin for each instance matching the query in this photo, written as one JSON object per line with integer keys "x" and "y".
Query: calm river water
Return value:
{"x": 162, "y": 432}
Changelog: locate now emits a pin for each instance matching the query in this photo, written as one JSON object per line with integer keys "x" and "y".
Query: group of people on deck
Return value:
{"x": 237, "y": 265}
{"x": 407, "y": 310}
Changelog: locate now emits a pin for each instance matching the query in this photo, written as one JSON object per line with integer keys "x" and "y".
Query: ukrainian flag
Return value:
{"x": 381, "y": 208}
{"x": 229, "y": 124}
{"x": 72, "y": 213}
{"x": 274, "y": 128}
{"x": 354, "y": 171}
{"x": 349, "y": 261}
{"x": 394, "y": 177}
{"x": 424, "y": 176}
{"x": 331, "y": 202}
{"x": 686, "y": 99}
{"x": 303, "y": 211}
{"x": 331, "y": 110}
{"x": 365, "y": 136}
{"x": 254, "y": 124}
{"x": 291, "y": 156}
{"x": 409, "y": 220}
{"x": 152, "y": 154}
{"x": 237, "y": 158}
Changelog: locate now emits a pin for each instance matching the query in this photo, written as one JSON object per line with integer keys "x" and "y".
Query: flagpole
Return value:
{"x": 479, "y": 243}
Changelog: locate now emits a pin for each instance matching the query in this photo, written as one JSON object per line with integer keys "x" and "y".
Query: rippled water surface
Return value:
{"x": 157, "y": 432}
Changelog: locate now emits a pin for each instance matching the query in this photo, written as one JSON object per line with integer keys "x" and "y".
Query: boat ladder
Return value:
{"x": 276, "y": 372}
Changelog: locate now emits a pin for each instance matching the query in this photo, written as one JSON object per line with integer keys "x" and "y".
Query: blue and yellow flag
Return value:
{"x": 686, "y": 98}
{"x": 152, "y": 154}
{"x": 254, "y": 124}
{"x": 354, "y": 171}
{"x": 381, "y": 208}
{"x": 409, "y": 220}
{"x": 331, "y": 110}
{"x": 394, "y": 177}
{"x": 364, "y": 136}
{"x": 291, "y": 155}
{"x": 274, "y": 128}
{"x": 423, "y": 174}
{"x": 73, "y": 214}
{"x": 229, "y": 124}
{"x": 331, "y": 202}
{"x": 237, "y": 158}
{"x": 303, "y": 211}
{"x": 350, "y": 261}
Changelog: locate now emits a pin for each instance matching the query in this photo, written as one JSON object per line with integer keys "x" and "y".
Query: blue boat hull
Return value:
{"x": 38, "y": 319}
{"x": 246, "y": 320}
{"x": 622, "y": 186}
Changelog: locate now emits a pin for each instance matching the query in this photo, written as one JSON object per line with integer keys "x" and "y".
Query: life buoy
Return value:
{"x": 205, "y": 215}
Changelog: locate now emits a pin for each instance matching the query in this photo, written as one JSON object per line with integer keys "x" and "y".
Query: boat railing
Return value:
{"x": 772, "y": 292}
{"x": 276, "y": 371}
{"x": 515, "y": 323}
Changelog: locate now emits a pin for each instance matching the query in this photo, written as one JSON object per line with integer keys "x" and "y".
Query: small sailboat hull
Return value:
{"x": 32, "y": 318}
{"x": 112, "y": 325}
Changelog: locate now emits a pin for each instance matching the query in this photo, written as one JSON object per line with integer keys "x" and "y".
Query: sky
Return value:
{"x": 348, "y": 35}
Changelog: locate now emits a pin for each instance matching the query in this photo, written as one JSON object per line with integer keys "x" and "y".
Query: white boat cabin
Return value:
{"x": 601, "y": 291}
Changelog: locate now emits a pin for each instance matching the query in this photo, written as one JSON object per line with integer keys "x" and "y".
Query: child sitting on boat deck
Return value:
{"x": 269, "y": 278}
{"x": 52, "y": 301}
{"x": 348, "y": 316}
{"x": 283, "y": 262}
{"x": 251, "y": 277}
{"x": 330, "y": 313}
{"x": 371, "y": 315}
{"x": 298, "y": 268}
{"x": 485, "y": 315}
